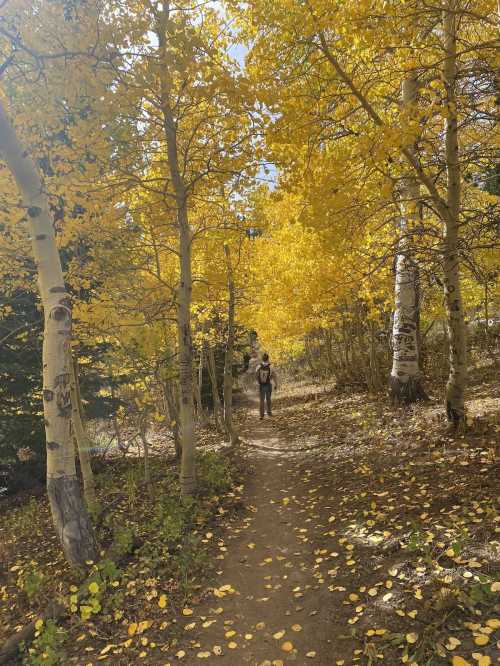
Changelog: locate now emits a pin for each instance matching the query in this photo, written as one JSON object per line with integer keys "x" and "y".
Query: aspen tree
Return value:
{"x": 212, "y": 372}
{"x": 448, "y": 207}
{"x": 228, "y": 357}
{"x": 71, "y": 520}
{"x": 405, "y": 380}
{"x": 455, "y": 387}
{"x": 184, "y": 291}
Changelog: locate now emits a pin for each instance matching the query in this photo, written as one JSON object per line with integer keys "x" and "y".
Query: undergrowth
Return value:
{"x": 154, "y": 557}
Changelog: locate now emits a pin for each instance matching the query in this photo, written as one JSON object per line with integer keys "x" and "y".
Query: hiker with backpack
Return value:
{"x": 265, "y": 375}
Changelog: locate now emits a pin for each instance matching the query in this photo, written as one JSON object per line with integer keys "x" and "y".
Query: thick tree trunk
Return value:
{"x": 405, "y": 381}
{"x": 457, "y": 379}
{"x": 184, "y": 291}
{"x": 69, "y": 514}
{"x": 228, "y": 359}
{"x": 83, "y": 441}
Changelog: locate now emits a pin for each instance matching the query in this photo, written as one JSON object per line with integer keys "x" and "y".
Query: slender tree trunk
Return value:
{"x": 184, "y": 291}
{"x": 71, "y": 520}
{"x": 455, "y": 388}
{"x": 405, "y": 381}
{"x": 228, "y": 359}
{"x": 212, "y": 371}
{"x": 171, "y": 403}
{"x": 82, "y": 439}
{"x": 202, "y": 417}
{"x": 145, "y": 447}
{"x": 486, "y": 315}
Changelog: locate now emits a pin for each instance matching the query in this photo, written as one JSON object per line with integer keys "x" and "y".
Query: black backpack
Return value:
{"x": 264, "y": 373}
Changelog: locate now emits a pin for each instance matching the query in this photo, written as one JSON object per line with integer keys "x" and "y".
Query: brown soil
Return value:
{"x": 340, "y": 556}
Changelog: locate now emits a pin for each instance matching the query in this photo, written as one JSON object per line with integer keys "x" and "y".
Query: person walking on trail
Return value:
{"x": 265, "y": 375}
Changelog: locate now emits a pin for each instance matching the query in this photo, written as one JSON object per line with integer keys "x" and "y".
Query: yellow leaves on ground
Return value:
{"x": 138, "y": 627}
{"x": 93, "y": 588}
{"x": 162, "y": 601}
{"x": 482, "y": 639}
{"x": 223, "y": 591}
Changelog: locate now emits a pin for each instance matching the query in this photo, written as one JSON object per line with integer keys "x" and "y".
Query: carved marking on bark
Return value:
{"x": 34, "y": 211}
{"x": 57, "y": 290}
{"x": 40, "y": 237}
{"x": 59, "y": 313}
{"x": 48, "y": 395}
{"x": 63, "y": 394}
{"x": 53, "y": 445}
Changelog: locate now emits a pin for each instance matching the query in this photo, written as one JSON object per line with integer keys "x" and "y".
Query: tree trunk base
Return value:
{"x": 456, "y": 417}
{"x": 71, "y": 520}
{"x": 406, "y": 393}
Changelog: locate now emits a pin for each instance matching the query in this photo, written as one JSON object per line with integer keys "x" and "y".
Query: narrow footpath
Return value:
{"x": 280, "y": 558}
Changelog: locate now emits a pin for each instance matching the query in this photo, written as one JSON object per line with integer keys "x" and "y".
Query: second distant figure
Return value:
{"x": 265, "y": 376}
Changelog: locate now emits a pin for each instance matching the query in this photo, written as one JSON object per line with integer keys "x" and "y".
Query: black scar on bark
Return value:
{"x": 53, "y": 446}
{"x": 34, "y": 211}
{"x": 406, "y": 392}
{"x": 48, "y": 395}
{"x": 59, "y": 313}
{"x": 69, "y": 510}
{"x": 62, "y": 379}
{"x": 40, "y": 237}
{"x": 57, "y": 290}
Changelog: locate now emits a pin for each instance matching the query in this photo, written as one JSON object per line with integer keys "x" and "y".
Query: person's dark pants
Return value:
{"x": 265, "y": 398}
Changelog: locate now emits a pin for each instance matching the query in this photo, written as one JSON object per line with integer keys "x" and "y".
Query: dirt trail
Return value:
{"x": 277, "y": 560}
{"x": 361, "y": 525}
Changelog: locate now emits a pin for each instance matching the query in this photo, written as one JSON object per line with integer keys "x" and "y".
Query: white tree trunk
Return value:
{"x": 83, "y": 441}
{"x": 228, "y": 359}
{"x": 457, "y": 379}
{"x": 405, "y": 381}
{"x": 69, "y": 514}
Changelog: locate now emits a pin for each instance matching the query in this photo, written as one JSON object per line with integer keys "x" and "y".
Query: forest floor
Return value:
{"x": 368, "y": 534}
{"x": 354, "y": 533}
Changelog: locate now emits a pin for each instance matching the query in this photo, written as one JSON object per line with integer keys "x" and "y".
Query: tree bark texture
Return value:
{"x": 83, "y": 441}
{"x": 69, "y": 514}
{"x": 405, "y": 381}
{"x": 457, "y": 379}
{"x": 172, "y": 405}
{"x": 212, "y": 373}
